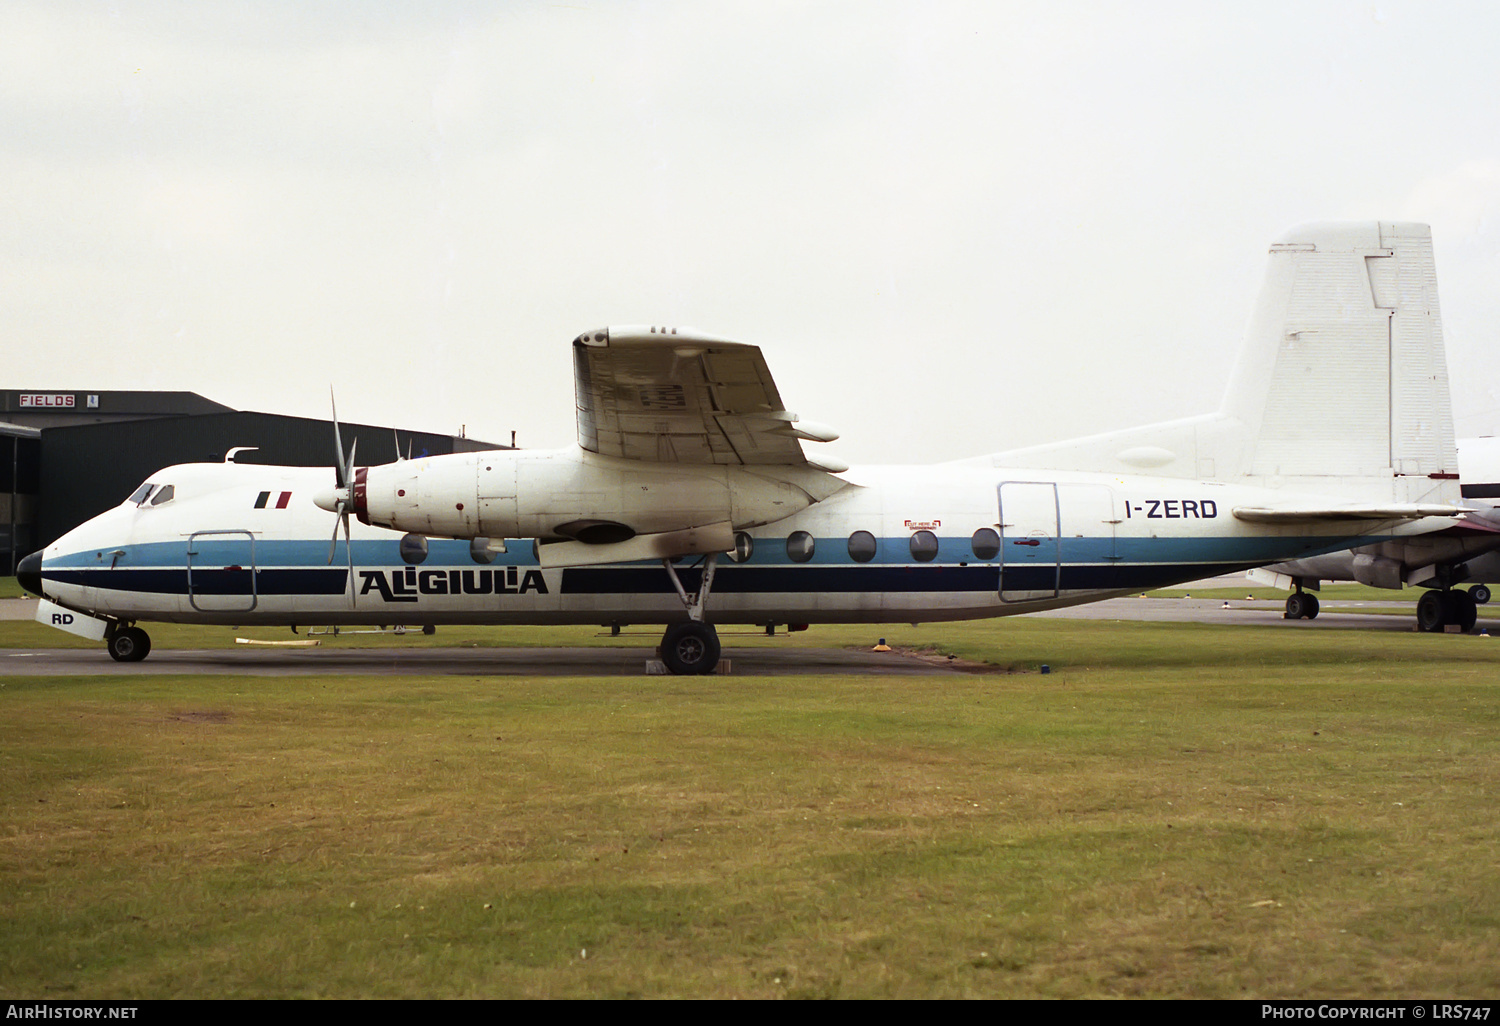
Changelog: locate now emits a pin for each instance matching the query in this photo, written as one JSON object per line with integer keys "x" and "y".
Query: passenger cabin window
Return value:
{"x": 799, "y": 547}
{"x": 744, "y": 547}
{"x": 986, "y": 543}
{"x": 413, "y": 549}
{"x": 861, "y": 546}
{"x": 924, "y": 546}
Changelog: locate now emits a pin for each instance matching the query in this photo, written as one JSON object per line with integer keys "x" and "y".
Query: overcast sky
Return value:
{"x": 954, "y": 228}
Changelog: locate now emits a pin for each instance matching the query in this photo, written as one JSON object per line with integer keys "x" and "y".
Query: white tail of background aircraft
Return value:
{"x": 1336, "y": 432}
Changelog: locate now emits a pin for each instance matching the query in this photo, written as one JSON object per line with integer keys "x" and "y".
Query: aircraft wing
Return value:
{"x": 1300, "y": 515}
{"x": 673, "y": 396}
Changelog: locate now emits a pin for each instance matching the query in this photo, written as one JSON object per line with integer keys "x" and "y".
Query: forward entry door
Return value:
{"x": 221, "y": 571}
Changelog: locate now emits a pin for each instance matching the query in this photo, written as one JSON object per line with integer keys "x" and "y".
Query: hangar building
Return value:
{"x": 68, "y": 456}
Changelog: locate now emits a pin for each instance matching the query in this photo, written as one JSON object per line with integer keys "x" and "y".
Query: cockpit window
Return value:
{"x": 152, "y": 494}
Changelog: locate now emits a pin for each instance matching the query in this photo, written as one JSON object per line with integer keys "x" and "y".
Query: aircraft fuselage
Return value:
{"x": 244, "y": 544}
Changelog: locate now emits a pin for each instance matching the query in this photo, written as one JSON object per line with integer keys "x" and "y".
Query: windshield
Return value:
{"x": 152, "y": 494}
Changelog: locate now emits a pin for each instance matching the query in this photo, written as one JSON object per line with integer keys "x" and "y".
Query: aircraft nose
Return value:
{"x": 29, "y": 573}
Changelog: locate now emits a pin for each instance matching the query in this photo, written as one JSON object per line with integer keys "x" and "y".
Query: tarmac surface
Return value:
{"x": 1395, "y": 615}
{"x": 476, "y": 662}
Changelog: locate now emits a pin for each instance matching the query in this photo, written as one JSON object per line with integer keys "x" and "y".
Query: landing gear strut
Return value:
{"x": 692, "y": 647}
{"x": 128, "y": 644}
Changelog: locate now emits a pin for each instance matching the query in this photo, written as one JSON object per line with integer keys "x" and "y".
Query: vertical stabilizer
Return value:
{"x": 1341, "y": 384}
{"x": 1343, "y": 373}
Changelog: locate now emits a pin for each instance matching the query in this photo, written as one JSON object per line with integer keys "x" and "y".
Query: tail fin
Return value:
{"x": 1341, "y": 384}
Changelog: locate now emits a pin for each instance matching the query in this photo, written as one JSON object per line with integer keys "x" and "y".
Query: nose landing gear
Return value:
{"x": 128, "y": 644}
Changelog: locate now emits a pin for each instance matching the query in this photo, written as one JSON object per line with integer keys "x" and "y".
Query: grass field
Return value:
{"x": 1174, "y": 811}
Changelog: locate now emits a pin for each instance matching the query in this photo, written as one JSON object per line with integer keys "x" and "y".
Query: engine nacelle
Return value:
{"x": 577, "y": 495}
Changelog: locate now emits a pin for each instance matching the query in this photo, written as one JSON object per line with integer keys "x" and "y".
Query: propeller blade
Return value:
{"x": 349, "y": 551}
{"x": 332, "y": 542}
{"x": 338, "y": 444}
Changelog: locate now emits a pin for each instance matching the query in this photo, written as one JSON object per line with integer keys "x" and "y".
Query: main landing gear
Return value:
{"x": 1301, "y": 605}
{"x": 1451, "y": 607}
{"x": 692, "y": 647}
{"x": 128, "y": 644}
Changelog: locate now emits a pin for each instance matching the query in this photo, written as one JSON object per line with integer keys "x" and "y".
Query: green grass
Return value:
{"x": 1176, "y": 810}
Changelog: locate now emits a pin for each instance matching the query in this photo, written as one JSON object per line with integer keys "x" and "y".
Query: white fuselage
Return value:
{"x": 245, "y": 544}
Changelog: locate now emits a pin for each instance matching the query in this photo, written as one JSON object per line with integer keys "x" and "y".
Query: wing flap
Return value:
{"x": 674, "y": 396}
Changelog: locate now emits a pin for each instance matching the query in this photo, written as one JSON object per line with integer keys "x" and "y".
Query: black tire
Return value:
{"x": 1297, "y": 605}
{"x": 690, "y": 648}
{"x": 1480, "y": 593}
{"x": 1432, "y": 611}
{"x": 1460, "y": 609}
{"x": 129, "y": 645}
{"x": 1309, "y": 606}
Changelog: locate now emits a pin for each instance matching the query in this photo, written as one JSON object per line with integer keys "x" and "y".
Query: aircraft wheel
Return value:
{"x": 1480, "y": 594}
{"x": 690, "y": 648}
{"x": 129, "y": 645}
{"x": 1460, "y": 609}
{"x": 1301, "y": 606}
{"x": 1432, "y": 611}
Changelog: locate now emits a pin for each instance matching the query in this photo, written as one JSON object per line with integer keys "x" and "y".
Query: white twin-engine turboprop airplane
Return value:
{"x": 689, "y": 500}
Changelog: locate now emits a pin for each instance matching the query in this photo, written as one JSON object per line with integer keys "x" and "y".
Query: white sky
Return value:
{"x": 954, "y": 228}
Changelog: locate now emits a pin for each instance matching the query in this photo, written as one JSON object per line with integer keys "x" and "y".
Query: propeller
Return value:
{"x": 339, "y": 499}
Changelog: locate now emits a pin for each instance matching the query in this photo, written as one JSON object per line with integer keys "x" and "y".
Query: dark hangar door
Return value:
{"x": 1028, "y": 541}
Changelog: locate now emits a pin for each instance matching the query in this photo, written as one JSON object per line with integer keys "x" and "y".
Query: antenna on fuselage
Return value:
{"x": 229, "y": 457}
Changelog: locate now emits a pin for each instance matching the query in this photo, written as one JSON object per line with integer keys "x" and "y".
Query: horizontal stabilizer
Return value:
{"x": 1303, "y": 515}
{"x": 1486, "y": 520}
{"x": 693, "y": 541}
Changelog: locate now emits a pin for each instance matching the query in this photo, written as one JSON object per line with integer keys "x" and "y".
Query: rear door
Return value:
{"x": 1028, "y": 541}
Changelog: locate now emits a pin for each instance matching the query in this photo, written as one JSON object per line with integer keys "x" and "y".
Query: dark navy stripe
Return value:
{"x": 742, "y": 580}
{"x": 904, "y": 579}
{"x": 208, "y": 582}
{"x": 1480, "y": 491}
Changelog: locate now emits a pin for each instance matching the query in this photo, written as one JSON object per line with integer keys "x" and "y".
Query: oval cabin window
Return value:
{"x": 861, "y": 546}
{"x": 924, "y": 546}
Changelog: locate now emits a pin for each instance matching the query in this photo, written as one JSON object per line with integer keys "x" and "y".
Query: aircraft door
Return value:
{"x": 1028, "y": 541}
{"x": 1086, "y": 537}
{"x": 221, "y": 571}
